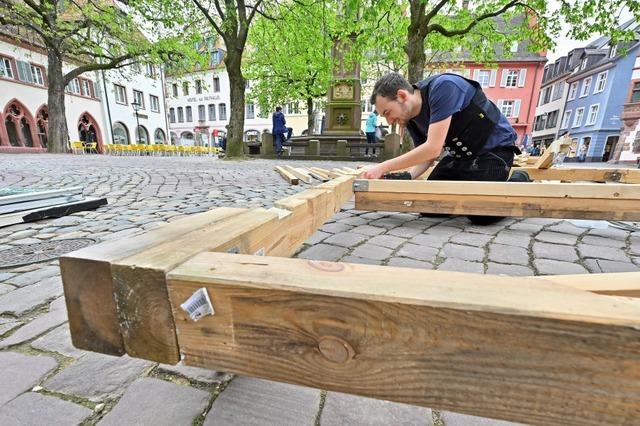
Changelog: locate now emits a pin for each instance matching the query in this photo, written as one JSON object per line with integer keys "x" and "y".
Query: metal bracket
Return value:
{"x": 360, "y": 185}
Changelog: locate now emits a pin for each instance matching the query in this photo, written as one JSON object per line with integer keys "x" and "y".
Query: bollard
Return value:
{"x": 313, "y": 148}
{"x": 266, "y": 147}
{"x": 341, "y": 148}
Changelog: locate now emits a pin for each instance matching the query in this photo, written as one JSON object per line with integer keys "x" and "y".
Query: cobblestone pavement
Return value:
{"x": 45, "y": 380}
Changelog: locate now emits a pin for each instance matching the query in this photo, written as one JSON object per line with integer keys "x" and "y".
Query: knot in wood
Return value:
{"x": 335, "y": 349}
{"x": 326, "y": 266}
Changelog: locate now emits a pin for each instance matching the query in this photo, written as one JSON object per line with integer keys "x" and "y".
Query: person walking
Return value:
{"x": 370, "y": 131}
{"x": 279, "y": 129}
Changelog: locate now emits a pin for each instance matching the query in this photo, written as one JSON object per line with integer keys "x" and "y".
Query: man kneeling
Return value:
{"x": 450, "y": 112}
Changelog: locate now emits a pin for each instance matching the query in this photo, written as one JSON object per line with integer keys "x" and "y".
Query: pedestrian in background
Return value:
{"x": 370, "y": 130}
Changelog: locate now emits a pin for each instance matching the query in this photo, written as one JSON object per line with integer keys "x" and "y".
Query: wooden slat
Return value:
{"x": 625, "y": 284}
{"x": 301, "y": 176}
{"x": 560, "y": 208}
{"x": 288, "y": 176}
{"x": 510, "y": 189}
{"x": 315, "y": 175}
{"x": 320, "y": 172}
{"x": 88, "y": 285}
{"x": 512, "y": 348}
{"x": 620, "y": 175}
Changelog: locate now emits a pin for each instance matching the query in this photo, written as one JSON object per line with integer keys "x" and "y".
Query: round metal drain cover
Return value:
{"x": 40, "y": 252}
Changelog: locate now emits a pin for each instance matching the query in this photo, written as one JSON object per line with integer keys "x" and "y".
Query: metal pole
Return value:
{"x": 138, "y": 128}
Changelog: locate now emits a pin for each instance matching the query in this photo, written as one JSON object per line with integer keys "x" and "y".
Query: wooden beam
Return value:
{"x": 321, "y": 172}
{"x": 316, "y": 175}
{"x": 88, "y": 285}
{"x": 518, "y": 349}
{"x": 288, "y": 176}
{"x": 625, "y": 284}
{"x": 556, "y": 200}
{"x": 567, "y": 174}
{"x": 297, "y": 173}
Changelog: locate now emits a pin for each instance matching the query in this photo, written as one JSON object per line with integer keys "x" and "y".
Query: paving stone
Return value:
{"x": 610, "y": 233}
{"x": 26, "y": 241}
{"x": 361, "y": 260}
{"x": 454, "y": 419}
{"x": 601, "y": 265}
{"x": 350, "y": 410}
{"x": 255, "y": 402}
{"x": 428, "y": 240}
{"x": 21, "y": 372}
{"x": 603, "y": 242}
{"x": 23, "y": 234}
{"x": 5, "y": 288}
{"x": 353, "y": 221}
{"x": 97, "y": 377}
{"x": 555, "y": 252}
{"x": 502, "y": 253}
{"x": 58, "y": 340}
{"x": 7, "y": 325}
{"x": 485, "y": 229}
{"x": 373, "y": 215}
{"x": 346, "y": 239}
{"x": 67, "y": 221}
{"x": 442, "y": 231}
{"x": 556, "y": 238}
{"x": 368, "y": 230}
{"x": 423, "y": 222}
{"x": 323, "y": 252}
{"x": 35, "y": 409}
{"x": 57, "y": 315}
{"x": 554, "y": 267}
{"x": 198, "y": 374}
{"x": 515, "y": 238}
{"x": 388, "y": 241}
{"x": 608, "y": 253}
{"x": 404, "y": 232}
{"x": 153, "y": 401}
{"x": 24, "y": 299}
{"x": 405, "y": 262}
{"x": 471, "y": 239}
{"x": 510, "y": 270}
{"x": 565, "y": 227}
{"x": 459, "y": 265}
{"x": 526, "y": 227}
{"x": 369, "y": 251}
{"x": 33, "y": 277}
{"x": 5, "y": 276}
{"x": 418, "y": 252}
{"x": 335, "y": 228}
{"x": 317, "y": 237}
{"x": 458, "y": 251}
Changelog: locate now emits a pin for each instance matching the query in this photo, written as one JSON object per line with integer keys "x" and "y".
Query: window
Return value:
{"x": 250, "y": 111}
{"x": 601, "y": 81}
{"x": 547, "y": 95}
{"x": 121, "y": 94}
{"x": 120, "y": 133}
{"x": 38, "y": 75}
{"x": 189, "y": 114}
{"x": 586, "y": 87}
{"x": 577, "y": 120}
{"x": 214, "y": 59}
{"x": 292, "y": 108}
{"x": 552, "y": 119}
{"x": 593, "y": 114}
{"x": 216, "y": 84}
{"x": 86, "y": 88}
{"x": 614, "y": 51}
{"x": 222, "y": 111}
{"x": 159, "y": 137}
{"x": 174, "y": 88}
{"x": 185, "y": 88}
{"x": 180, "y": 115}
{"x": 507, "y": 107}
{"x": 198, "y": 87}
{"x": 558, "y": 88}
{"x": 484, "y": 78}
{"x": 635, "y": 93}
{"x": 212, "y": 112}
{"x": 573, "y": 89}
{"x": 565, "y": 119}
{"x": 24, "y": 72}
{"x": 172, "y": 115}
{"x": 150, "y": 70}
{"x": 154, "y": 103}
{"x": 5, "y": 68}
{"x": 514, "y": 47}
{"x": 138, "y": 98}
{"x": 510, "y": 78}
{"x": 583, "y": 63}
{"x": 541, "y": 122}
{"x": 201, "y": 113}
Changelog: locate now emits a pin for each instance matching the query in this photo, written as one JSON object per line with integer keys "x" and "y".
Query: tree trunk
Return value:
{"x": 236, "y": 119}
{"x": 58, "y": 133}
{"x": 310, "y": 117}
{"x": 416, "y": 56}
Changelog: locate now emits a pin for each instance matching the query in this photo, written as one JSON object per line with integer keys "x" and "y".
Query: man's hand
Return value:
{"x": 376, "y": 171}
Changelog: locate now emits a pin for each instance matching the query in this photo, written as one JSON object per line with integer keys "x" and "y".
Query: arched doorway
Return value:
{"x": 252, "y": 136}
{"x": 159, "y": 137}
{"x": 20, "y": 125}
{"x": 42, "y": 125}
{"x": 174, "y": 138}
{"x": 89, "y": 131}
{"x": 120, "y": 134}
{"x": 186, "y": 139}
{"x": 142, "y": 135}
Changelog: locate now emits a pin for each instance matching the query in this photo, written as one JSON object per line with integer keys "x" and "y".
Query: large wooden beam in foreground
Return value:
{"x": 626, "y": 284}
{"x": 512, "y": 348}
{"x": 533, "y": 199}
{"x": 567, "y": 174}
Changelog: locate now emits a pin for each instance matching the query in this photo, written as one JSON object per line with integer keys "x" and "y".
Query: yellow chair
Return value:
{"x": 77, "y": 147}
{"x": 182, "y": 150}
{"x": 117, "y": 149}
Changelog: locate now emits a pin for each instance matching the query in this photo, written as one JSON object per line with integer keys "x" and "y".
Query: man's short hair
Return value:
{"x": 278, "y": 109}
{"x": 388, "y": 86}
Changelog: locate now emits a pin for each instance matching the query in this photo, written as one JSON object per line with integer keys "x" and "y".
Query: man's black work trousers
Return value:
{"x": 490, "y": 166}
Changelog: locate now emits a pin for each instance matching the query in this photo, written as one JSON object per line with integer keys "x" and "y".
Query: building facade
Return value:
{"x": 628, "y": 147}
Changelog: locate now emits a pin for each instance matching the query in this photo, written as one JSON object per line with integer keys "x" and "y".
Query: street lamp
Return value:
{"x": 136, "y": 107}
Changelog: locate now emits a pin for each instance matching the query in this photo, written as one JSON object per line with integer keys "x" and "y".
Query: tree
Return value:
{"x": 290, "y": 58}
{"x": 85, "y": 35}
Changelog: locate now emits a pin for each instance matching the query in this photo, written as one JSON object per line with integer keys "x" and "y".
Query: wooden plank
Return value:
{"x": 560, "y": 208}
{"x": 625, "y": 284}
{"x": 507, "y": 189}
{"x": 567, "y": 174}
{"x": 288, "y": 176}
{"x": 546, "y": 158}
{"x": 321, "y": 172}
{"x": 146, "y": 323}
{"x": 316, "y": 175}
{"x": 88, "y": 285}
{"x": 304, "y": 177}
{"x": 313, "y": 207}
{"x": 517, "y": 349}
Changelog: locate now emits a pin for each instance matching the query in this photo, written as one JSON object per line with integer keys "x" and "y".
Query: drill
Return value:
{"x": 397, "y": 175}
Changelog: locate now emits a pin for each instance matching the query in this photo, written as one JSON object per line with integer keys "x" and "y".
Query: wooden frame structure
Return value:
{"x": 542, "y": 350}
